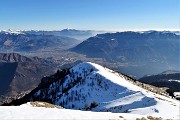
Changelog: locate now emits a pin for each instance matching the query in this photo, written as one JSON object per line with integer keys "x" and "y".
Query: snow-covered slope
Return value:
{"x": 89, "y": 86}
{"x": 26, "y": 111}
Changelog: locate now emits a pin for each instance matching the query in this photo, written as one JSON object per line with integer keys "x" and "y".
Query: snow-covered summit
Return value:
{"x": 89, "y": 86}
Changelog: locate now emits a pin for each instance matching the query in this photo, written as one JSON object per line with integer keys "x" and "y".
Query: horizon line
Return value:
{"x": 106, "y": 30}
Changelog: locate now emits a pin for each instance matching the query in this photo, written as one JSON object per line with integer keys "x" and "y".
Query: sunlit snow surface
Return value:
{"x": 27, "y": 112}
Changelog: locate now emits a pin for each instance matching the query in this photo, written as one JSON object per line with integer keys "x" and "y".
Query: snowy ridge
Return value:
{"x": 174, "y": 80}
{"x": 89, "y": 86}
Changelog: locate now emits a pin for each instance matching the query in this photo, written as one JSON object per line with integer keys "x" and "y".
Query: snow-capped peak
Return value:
{"x": 10, "y": 31}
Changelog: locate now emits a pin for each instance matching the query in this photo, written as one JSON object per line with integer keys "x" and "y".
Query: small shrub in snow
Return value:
{"x": 154, "y": 118}
{"x": 72, "y": 105}
{"x": 93, "y": 104}
{"x": 143, "y": 118}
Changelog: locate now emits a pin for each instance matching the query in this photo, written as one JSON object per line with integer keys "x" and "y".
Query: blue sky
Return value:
{"x": 116, "y": 15}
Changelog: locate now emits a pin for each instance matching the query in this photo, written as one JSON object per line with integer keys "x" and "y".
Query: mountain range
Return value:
{"x": 86, "y": 85}
{"x": 72, "y": 33}
{"x": 154, "y": 50}
{"x": 132, "y": 53}
{"x": 24, "y": 42}
{"x": 136, "y": 53}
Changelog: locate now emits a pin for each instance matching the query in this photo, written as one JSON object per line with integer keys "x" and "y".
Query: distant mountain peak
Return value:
{"x": 10, "y": 31}
{"x": 170, "y": 72}
{"x": 69, "y": 29}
